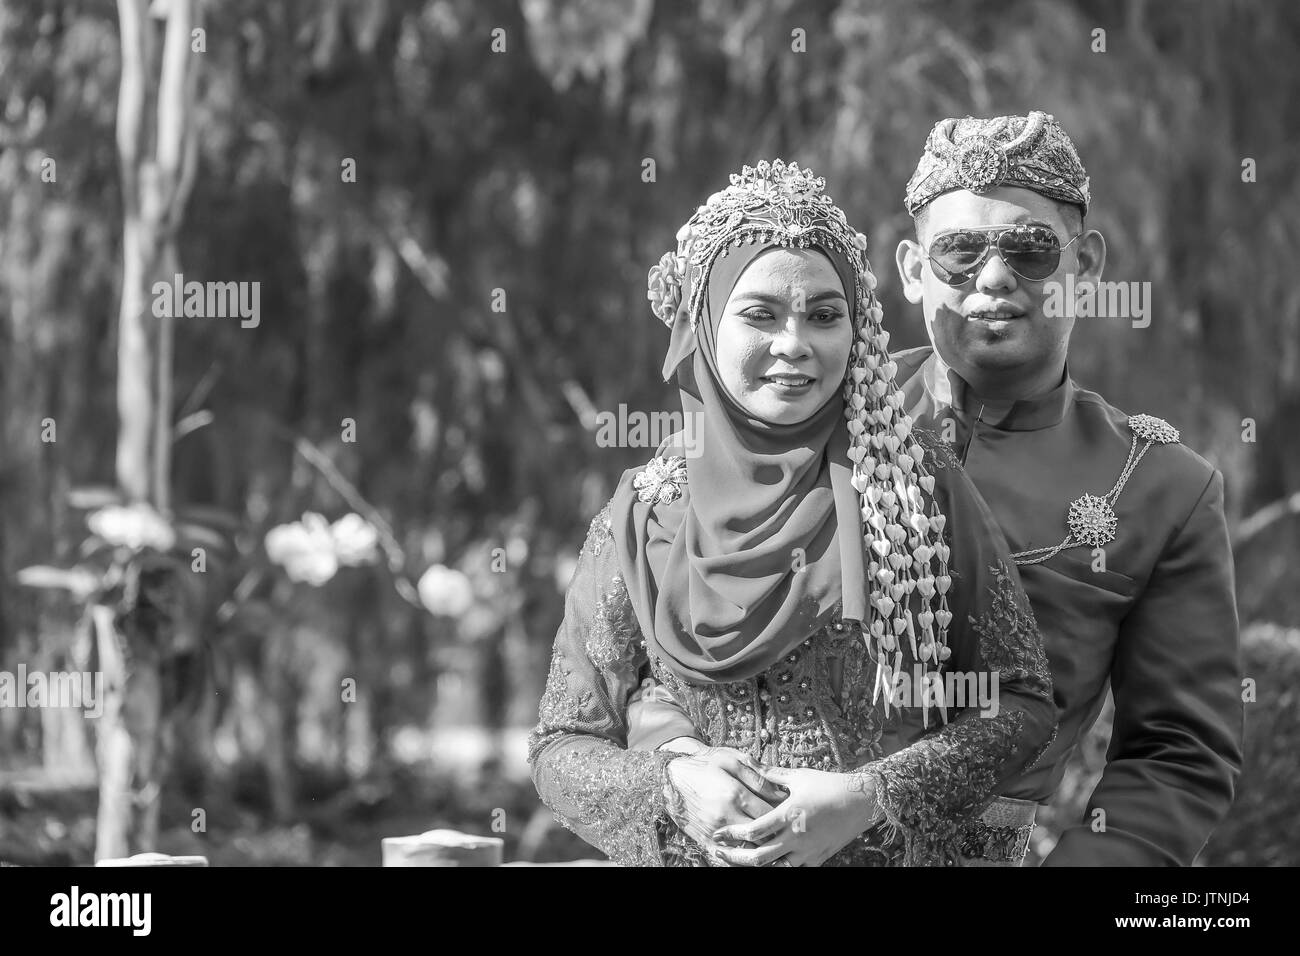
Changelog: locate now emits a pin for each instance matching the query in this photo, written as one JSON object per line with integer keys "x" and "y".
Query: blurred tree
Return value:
{"x": 156, "y": 146}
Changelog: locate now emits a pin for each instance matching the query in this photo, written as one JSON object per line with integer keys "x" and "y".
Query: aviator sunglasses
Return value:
{"x": 1031, "y": 252}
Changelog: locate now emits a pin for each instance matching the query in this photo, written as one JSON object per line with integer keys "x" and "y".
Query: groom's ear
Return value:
{"x": 910, "y": 260}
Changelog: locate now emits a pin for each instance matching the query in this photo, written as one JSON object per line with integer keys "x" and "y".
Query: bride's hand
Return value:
{"x": 718, "y": 787}
{"x": 823, "y": 813}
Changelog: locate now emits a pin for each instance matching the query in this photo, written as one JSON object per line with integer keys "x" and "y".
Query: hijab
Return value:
{"x": 764, "y": 542}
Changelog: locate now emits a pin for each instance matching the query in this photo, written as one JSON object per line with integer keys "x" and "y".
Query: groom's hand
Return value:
{"x": 715, "y": 788}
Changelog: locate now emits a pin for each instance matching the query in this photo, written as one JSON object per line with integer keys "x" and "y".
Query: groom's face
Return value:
{"x": 995, "y": 322}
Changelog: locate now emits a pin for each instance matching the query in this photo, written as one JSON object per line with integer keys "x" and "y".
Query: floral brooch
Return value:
{"x": 665, "y": 287}
{"x": 1150, "y": 428}
{"x": 661, "y": 480}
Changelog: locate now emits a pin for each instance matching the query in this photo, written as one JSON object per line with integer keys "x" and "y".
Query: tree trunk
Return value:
{"x": 130, "y": 782}
{"x": 66, "y": 735}
{"x": 156, "y": 150}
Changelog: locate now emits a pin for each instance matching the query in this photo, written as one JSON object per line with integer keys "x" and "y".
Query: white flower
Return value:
{"x": 517, "y": 550}
{"x": 132, "y": 526}
{"x": 446, "y": 591}
{"x": 305, "y": 549}
{"x": 355, "y": 540}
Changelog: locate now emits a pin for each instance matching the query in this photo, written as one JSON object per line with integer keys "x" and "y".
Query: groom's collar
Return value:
{"x": 948, "y": 389}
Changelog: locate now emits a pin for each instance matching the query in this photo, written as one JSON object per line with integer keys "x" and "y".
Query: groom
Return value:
{"x": 1118, "y": 527}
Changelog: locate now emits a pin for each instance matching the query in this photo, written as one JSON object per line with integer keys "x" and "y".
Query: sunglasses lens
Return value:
{"x": 1034, "y": 252}
{"x": 958, "y": 254}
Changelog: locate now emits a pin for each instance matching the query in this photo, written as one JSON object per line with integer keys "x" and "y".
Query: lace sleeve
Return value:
{"x": 1001, "y": 715}
{"x": 611, "y": 797}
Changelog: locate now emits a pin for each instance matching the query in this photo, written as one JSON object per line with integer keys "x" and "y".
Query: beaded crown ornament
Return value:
{"x": 780, "y": 204}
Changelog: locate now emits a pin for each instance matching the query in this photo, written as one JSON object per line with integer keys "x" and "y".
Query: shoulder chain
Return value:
{"x": 1091, "y": 519}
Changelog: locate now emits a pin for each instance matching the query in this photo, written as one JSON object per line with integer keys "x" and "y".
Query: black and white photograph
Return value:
{"x": 638, "y": 433}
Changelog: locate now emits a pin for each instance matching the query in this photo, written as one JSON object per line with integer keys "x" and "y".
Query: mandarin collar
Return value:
{"x": 946, "y": 387}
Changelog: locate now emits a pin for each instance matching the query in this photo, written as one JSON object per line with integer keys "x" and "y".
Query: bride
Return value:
{"x": 815, "y": 593}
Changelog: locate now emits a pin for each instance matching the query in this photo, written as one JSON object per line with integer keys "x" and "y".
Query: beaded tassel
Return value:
{"x": 905, "y": 541}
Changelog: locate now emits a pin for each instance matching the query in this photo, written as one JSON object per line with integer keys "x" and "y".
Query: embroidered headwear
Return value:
{"x": 1032, "y": 152}
{"x": 734, "y": 557}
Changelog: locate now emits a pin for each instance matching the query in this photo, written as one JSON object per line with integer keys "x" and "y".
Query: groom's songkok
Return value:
{"x": 1031, "y": 152}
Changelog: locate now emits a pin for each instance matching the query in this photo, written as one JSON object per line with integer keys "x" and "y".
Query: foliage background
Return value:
{"x": 522, "y": 171}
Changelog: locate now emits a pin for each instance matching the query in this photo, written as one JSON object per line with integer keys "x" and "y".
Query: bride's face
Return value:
{"x": 785, "y": 335}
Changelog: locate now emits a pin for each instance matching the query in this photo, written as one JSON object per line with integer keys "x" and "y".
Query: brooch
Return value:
{"x": 1091, "y": 521}
{"x": 1091, "y": 518}
{"x": 661, "y": 480}
{"x": 1150, "y": 428}
{"x": 981, "y": 165}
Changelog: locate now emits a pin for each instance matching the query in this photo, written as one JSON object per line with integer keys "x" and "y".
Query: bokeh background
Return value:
{"x": 451, "y": 243}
